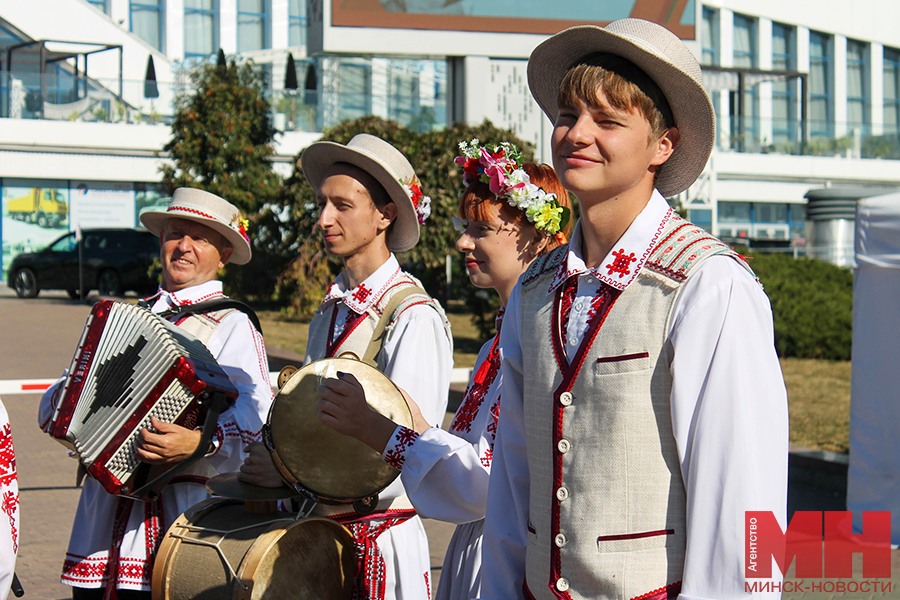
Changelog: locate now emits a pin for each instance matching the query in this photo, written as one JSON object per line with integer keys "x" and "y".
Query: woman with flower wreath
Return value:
{"x": 509, "y": 214}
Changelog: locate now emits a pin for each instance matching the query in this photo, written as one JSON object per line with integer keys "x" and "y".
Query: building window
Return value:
{"x": 709, "y": 37}
{"x": 856, "y": 85}
{"x": 819, "y": 85}
{"x": 100, "y": 5}
{"x": 355, "y": 83}
{"x": 146, "y": 21}
{"x": 200, "y": 18}
{"x": 784, "y": 122}
{"x": 745, "y": 56}
{"x": 253, "y": 18}
{"x": 297, "y": 22}
{"x": 891, "y": 90}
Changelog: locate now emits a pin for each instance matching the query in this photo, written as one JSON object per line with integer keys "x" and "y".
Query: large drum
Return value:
{"x": 319, "y": 462}
{"x": 218, "y": 551}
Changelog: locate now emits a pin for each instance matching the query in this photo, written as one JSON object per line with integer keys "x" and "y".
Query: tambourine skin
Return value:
{"x": 319, "y": 462}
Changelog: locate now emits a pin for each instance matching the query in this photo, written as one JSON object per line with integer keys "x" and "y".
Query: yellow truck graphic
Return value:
{"x": 46, "y": 207}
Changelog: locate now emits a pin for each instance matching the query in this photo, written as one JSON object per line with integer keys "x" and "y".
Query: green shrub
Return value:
{"x": 811, "y": 305}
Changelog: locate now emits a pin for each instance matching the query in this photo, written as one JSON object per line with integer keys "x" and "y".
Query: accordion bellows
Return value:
{"x": 131, "y": 364}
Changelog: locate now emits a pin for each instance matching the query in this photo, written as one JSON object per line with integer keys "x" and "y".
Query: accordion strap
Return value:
{"x": 212, "y": 306}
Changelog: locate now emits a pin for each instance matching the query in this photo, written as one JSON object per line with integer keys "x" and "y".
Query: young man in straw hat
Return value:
{"x": 114, "y": 539}
{"x": 370, "y": 205}
{"x": 631, "y": 445}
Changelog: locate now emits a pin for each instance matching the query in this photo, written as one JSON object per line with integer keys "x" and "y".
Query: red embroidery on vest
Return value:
{"x": 362, "y": 293}
{"x": 621, "y": 263}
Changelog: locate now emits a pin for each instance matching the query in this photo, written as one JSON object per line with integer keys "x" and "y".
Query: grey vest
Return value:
{"x": 607, "y": 500}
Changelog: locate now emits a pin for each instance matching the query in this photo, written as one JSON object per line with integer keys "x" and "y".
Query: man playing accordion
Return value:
{"x": 114, "y": 539}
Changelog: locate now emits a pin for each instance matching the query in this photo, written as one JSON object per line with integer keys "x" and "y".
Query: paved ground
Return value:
{"x": 38, "y": 340}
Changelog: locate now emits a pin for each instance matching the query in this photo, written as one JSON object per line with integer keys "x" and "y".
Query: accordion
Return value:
{"x": 130, "y": 365}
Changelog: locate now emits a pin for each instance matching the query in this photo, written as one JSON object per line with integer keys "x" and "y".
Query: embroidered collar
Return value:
{"x": 191, "y": 295}
{"x": 366, "y": 294}
{"x": 627, "y": 257}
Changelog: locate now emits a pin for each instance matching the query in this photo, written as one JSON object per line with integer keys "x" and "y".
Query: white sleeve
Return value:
{"x": 506, "y": 522}
{"x": 9, "y": 504}
{"x": 239, "y": 350}
{"x": 445, "y": 475}
{"x": 418, "y": 357}
{"x": 730, "y": 421}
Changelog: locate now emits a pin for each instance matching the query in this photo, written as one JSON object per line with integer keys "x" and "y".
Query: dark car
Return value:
{"x": 113, "y": 261}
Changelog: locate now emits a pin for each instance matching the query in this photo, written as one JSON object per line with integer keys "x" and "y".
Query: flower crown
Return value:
{"x": 421, "y": 202}
{"x": 501, "y": 168}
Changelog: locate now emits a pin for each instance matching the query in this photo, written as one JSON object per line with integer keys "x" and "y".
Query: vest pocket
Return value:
{"x": 623, "y": 363}
{"x": 634, "y": 542}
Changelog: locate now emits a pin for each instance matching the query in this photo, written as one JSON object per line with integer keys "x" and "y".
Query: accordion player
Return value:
{"x": 130, "y": 365}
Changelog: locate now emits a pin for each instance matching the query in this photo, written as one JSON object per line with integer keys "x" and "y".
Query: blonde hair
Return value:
{"x": 625, "y": 86}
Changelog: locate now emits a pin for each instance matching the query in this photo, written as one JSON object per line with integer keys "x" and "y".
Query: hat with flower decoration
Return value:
{"x": 207, "y": 209}
{"x": 389, "y": 167}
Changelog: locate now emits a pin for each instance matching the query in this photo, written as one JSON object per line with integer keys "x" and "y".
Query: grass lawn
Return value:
{"x": 819, "y": 403}
{"x": 818, "y": 390}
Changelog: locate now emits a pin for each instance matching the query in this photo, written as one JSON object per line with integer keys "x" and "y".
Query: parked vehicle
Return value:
{"x": 46, "y": 207}
{"x": 112, "y": 262}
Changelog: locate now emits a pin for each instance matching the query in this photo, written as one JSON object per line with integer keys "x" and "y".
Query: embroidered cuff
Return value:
{"x": 395, "y": 451}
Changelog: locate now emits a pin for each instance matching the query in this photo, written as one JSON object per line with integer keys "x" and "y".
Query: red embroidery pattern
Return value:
{"x": 565, "y": 307}
{"x": 93, "y": 570}
{"x": 7, "y": 456}
{"x": 361, "y": 293}
{"x": 153, "y": 520}
{"x": 492, "y": 424}
{"x": 403, "y": 441}
{"x": 621, "y": 263}
{"x": 478, "y": 389}
{"x": 488, "y": 456}
{"x": 597, "y": 301}
{"x": 427, "y": 584}
{"x": 120, "y": 524}
{"x": 10, "y": 501}
{"x": 10, "y": 506}
{"x": 370, "y": 569}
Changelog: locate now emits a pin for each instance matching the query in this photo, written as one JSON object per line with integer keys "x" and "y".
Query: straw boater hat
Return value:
{"x": 207, "y": 209}
{"x": 664, "y": 58}
{"x": 388, "y": 166}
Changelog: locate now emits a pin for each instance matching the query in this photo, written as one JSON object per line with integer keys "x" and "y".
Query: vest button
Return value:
{"x": 562, "y": 584}
{"x": 565, "y": 398}
{"x": 562, "y": 493}
{"x": 560, "y": 540}
{"x": 563, "y": 446}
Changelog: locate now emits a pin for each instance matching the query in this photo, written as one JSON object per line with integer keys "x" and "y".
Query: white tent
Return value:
{"x": 874, "y": 477}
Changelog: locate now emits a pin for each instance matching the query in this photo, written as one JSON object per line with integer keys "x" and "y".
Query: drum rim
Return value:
{"x": 284, "y": 470}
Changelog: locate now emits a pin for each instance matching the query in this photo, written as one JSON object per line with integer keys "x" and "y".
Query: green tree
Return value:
{"x": 222, "y": 142}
